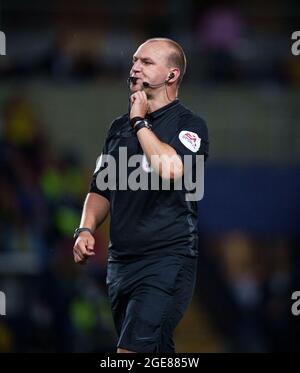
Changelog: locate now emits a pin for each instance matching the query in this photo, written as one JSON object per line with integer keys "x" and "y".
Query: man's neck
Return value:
{"x": 157, "y": 103}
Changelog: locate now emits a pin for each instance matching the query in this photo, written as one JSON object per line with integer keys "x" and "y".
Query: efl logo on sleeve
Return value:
{"x": 190, "y": 140}
{"x": 2, "y": 44}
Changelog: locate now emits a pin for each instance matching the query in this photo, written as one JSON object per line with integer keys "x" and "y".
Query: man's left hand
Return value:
{"x": 139, "y": 104}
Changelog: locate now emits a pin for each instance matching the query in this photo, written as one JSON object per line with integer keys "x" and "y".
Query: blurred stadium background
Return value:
{"x": 62, "y": 82}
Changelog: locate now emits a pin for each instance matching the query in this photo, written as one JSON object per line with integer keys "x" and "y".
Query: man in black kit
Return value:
{"x": 153, "y": 231}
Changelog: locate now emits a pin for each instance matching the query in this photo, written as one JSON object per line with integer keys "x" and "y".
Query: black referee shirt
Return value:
{"x": 146, "y": 222}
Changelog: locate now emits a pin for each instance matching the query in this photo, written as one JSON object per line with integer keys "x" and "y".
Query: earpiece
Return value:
{"x": 171, "y": 75}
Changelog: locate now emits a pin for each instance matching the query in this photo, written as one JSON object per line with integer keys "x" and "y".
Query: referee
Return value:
{"x": 153, "y": 246}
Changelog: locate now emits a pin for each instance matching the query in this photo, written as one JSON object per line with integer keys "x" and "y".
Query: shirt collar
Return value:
{"x": 157, "y": 113}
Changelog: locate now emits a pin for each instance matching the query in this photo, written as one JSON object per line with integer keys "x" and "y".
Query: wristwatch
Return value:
{"x": 79, "y": 230}
{"x": 142, "y": 123}
{"x": 134, "y": 120}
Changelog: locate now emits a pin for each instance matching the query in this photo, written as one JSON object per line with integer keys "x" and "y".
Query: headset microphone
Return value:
{"x": 148, "y": 85}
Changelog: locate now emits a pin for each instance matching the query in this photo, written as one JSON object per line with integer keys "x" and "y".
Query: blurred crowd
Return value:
{"x": 224, "y": 41}
{"x": 49, "y": 307}
{"x": 245, "y": 283}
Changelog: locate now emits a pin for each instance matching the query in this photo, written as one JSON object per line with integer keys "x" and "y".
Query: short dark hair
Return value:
{"x": 176, "y": 57}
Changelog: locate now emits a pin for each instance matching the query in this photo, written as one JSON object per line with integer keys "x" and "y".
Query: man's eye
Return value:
{"x": 143, "y": 62}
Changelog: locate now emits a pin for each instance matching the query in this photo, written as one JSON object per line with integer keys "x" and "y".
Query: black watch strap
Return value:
{"x": 134, "y": 120}
{"x": 79, "y": 230}
{"x": 142, "y": 124}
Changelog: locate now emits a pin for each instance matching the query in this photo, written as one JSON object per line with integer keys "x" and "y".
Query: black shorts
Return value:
{"x": 148, "y": 298}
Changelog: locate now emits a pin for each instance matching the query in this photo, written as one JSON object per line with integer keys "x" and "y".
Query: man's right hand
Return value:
{"x": 83, "y": 247}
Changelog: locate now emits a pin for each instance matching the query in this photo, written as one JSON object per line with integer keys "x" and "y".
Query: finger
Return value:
{"x": 82, "y": 247}
{"x": 80, "y": 260}
{"x": 77, "y": 259}
{"x": 134, "y": 96}
{"x": 139, "y": 94}
{"x": 144, "y": 96}
{"x": 78, "y": 254}
{"x": 85, "y": 252}
{"x": 88, "y": 254}
{"x": 90, "y": 245}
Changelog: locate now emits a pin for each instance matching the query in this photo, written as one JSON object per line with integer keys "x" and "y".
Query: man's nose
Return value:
{"x": 136, "y": 67}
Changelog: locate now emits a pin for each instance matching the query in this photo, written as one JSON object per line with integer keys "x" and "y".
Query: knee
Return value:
{"x": 124, "y": 351}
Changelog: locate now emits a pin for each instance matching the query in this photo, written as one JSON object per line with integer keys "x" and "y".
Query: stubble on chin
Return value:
{"x": 149, "y": 96}
{"x": 140, "y": 87}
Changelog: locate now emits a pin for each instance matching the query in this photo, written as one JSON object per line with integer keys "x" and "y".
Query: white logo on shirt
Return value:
{"x": 190, "y": 140}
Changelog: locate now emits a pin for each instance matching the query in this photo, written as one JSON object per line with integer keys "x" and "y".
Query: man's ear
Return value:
{"x": 173, "y": 75}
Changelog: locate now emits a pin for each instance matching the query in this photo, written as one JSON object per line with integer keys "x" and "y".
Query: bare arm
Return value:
{"x": 94, "y": 212}
{"x": 162, "y": 157}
